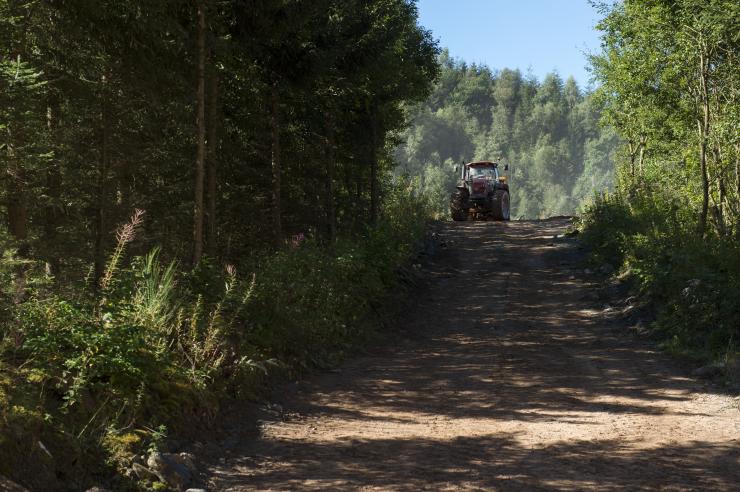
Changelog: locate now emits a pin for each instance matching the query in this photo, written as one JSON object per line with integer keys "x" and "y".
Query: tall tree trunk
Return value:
{"x": 373, "y": 168}
{"x": 737, "y": 170}
{"x": 16, "y": 205}
{"x": 641, "y": 158}
{"x": 703, "y": 128}
{"x": 53, "y": 191}
{"x": 200, "y": 136}
{"x": 722, "y": 199}
{"x": 211, "y": 177}
{"x": 331, "y": 220}
{"x": 704, "y": 181}
{"x": 716, "y": 205}
{"x": 736, "y": 219}
{"x": 101, "y": 225}
{"x": 277, "y": 225}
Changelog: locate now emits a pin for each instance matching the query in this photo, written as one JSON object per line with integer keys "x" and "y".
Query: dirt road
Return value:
{"x": 506, "y": 377}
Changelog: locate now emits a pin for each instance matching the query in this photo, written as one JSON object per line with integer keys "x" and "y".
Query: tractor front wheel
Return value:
{"x": 457, "y": 210}
{"x": 501, "y": 206}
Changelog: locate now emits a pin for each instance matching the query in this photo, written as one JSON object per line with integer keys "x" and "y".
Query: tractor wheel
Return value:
{"x": 501, "y": 208}
{"x": 456, "y": 207}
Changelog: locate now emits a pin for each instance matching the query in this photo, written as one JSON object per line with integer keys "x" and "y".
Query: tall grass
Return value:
{"x": 99, "y": 374}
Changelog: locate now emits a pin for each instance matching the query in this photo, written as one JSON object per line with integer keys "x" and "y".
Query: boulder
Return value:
{"x": 143, "y": 473}
{"x": 173, "y": 469}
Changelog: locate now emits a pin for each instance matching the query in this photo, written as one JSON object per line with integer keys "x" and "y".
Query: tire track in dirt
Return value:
{"x": 502, "y": 378}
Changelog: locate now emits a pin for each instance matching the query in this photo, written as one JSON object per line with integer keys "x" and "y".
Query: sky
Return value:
{"x": 533, "y": 35}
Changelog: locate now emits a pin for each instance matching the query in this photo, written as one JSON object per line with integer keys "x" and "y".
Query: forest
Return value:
{"x": 197, "y": 198}
{"x": 548, "y": 132}
{"x": 201, "y": 199}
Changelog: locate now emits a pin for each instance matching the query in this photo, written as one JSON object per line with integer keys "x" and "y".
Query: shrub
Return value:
{"x": 155, "y": 344}
{"x": 694, "y": 282}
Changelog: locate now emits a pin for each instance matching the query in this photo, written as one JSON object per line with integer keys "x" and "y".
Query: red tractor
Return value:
{"x": 481, "y": 193}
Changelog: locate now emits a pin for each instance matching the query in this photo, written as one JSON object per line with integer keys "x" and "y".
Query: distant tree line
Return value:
{"x": 548, "y": 132}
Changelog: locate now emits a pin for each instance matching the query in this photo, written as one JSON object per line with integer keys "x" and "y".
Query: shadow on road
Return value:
{"x": 505, "y": 377}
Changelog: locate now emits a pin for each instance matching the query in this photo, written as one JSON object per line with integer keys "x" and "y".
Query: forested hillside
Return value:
{"x": 196, "y": 197}
{"x": 547, "y": 131}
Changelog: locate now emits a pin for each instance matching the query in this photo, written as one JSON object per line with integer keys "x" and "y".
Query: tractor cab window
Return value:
{"x": 476, "y": 172}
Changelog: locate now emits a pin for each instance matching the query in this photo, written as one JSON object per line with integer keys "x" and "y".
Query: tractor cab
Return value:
{"x": 481, "y": 178}
{"x": 481, "y": 193}
{"x": 483, "y": 170}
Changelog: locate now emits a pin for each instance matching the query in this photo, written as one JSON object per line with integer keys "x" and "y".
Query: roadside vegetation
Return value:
{"x": 198, "y": 199}
{"x": 671, "y": 88}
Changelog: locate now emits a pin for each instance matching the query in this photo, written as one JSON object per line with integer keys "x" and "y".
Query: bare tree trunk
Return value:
{"x": 212, "y": 241}
{"x": 641, "y": 159}
{"x": 201, "y": 136}
{"x": 704, "y": 181}
{"x": 736, "y": 219}
{"x": 277, "y": 226}
{"x": 703, "y": 127}
{"x": 53, "y": 190}
{"x": 101, "y": 225}
{"x": 737, "y": 170}
{"x": 16, "y": 205}
{"x": 721, "y": 225}
{"x": 331, "y": 220}
{"x": 722, "y": 204}
{"x": 373, "y": 169}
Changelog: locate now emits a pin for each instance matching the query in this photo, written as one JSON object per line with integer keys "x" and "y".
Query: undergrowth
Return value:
{"x": 693, "y": 281}
{"x": 91, "y": 377}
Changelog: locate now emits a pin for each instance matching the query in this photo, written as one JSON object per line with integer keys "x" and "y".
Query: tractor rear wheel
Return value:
{"x": 501, "y": 205}
{"x": 457, "y": 211}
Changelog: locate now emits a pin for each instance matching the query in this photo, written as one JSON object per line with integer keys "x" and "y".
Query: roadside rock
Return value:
{"x": 142, "y": 472}
{"x": 176, "y": 470}
{"x": 629, "y": 308}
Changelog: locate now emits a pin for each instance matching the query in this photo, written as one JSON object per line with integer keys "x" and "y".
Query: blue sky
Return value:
{"x": 536, "y": 35}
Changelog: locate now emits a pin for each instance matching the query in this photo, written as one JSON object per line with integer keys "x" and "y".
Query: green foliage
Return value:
{"x": 546, "y": 131}
{"x": 694, "y": 282}
{"x": 309, "y": 305}
{"x": 669, "y": 88}
{"x": 158, "y": 344}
